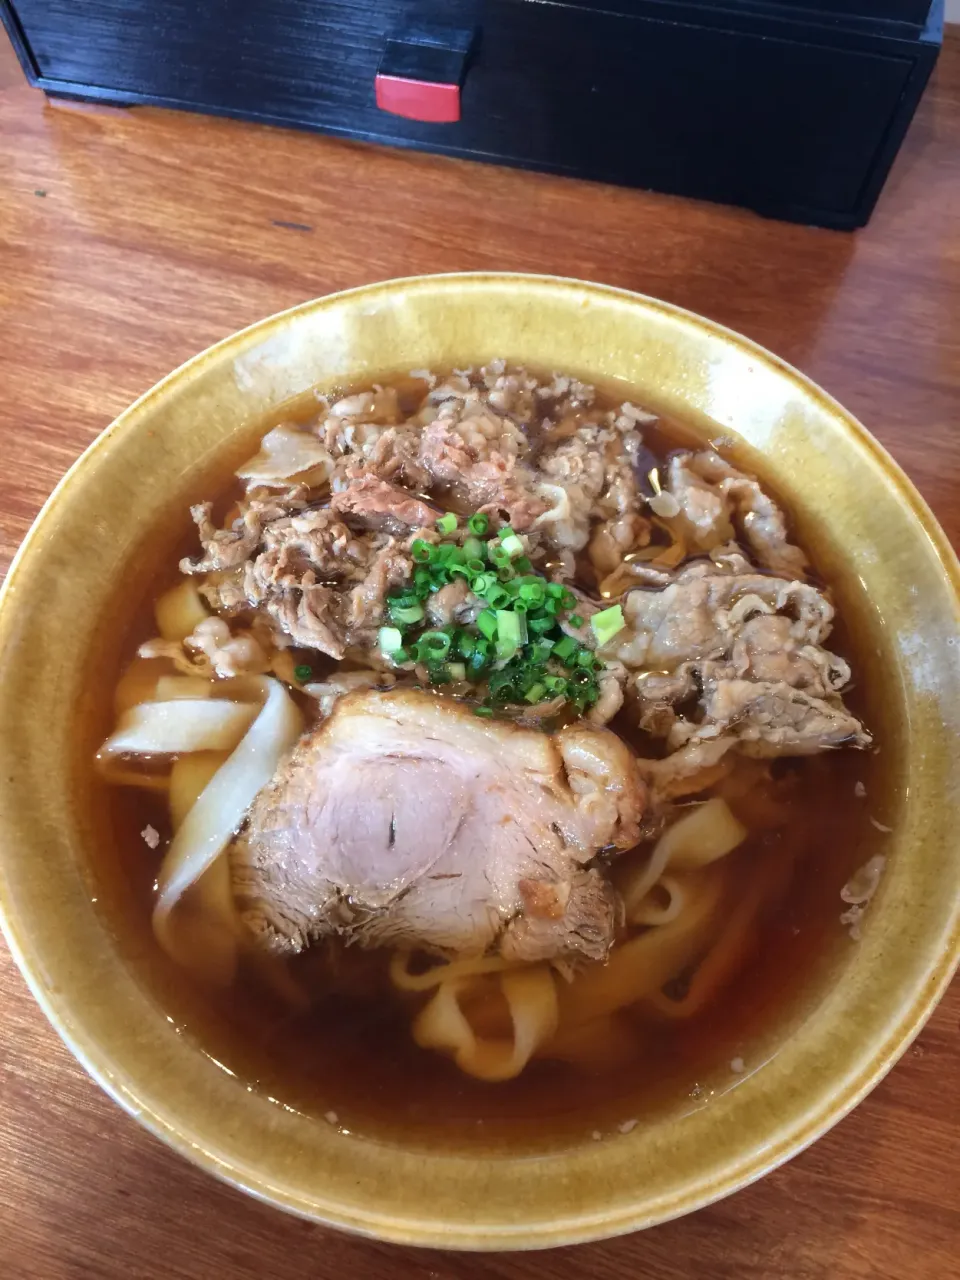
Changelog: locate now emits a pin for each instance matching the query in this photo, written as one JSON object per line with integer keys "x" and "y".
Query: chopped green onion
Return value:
{"x": 535, "y": 692}
{"x": 460, "y": 571}
{"x": 555, "y": 590}
{"x": 542, "y": 649}
{"x": 568, "y": 599}
{"x": 607, "y": 623}
{"x": 555, "y": 684}
{"x": 487, "y": 623}
{"x": 575, "y": 620}
{"x": 519, "y": 606}
{"x": 495, "y": 596}
{"x": 539, "y": 624}
{"x": 466, "y": 643}
{"x": 533, "y": 594}
{"x": 511, "y": 544}
{"x": 405, "y": 615}
{"x": 473, "y": 548}
{"x": 585, "y": 658}
{"x": 456, "y": 671}
{"x": 475, "y": 567}
{"x": 478, "y": 524}
{"x": 497, "y": 555}
{"x": 480, "y": 655}
{"x": 433, "y": 646}
{"x": 523, "y": 564}
{"x": 483, "y": 711}
{"x": 423, "y": 552}
{"x": 565, "y": 648}
{"x": 447, "y": 523}
{"x": 390, "y": 640}
{"x": 303, "y": 673}
{"x": 508, "y": 633}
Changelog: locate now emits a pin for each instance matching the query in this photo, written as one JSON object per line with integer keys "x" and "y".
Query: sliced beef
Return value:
{"x": 481, "y": 458}
{"x": 717, "y": 501}
{"x": 310, "y": 614}
{"x": 406, "y": 821}
{"x": 700, "y": 612}
{"x": 367, "y": 502}
{"x": 390, "y": 568}
{"x": 223, "y": 548}
{"x": 770, "y": 719}
{"x": 726, "y": 660}
{"x": 453, "y": 603}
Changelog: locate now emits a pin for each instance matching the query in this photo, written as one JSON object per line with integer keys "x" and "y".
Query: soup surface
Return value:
{"x": 555, "y": 587}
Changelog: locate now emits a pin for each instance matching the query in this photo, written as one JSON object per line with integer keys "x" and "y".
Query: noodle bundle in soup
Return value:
{"x": 476, "y": 744}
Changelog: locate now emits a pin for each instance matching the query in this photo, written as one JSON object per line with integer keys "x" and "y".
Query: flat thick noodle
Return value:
{"x": 198, "y": 930}
{"x": 180, "y": 611}
{"x": 708, "y": 831}
{"x": 531, "y": 997}
{"x": 178, "y": 726}
{"x": 642, "y": 965}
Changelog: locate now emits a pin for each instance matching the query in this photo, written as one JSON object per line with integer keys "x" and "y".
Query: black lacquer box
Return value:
{"x": 795, "y": 109}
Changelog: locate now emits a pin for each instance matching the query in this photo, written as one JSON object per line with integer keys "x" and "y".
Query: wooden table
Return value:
{"x": 129, "y": 241}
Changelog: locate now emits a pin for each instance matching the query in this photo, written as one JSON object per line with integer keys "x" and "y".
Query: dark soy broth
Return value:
{"x": 349, "y": 1057}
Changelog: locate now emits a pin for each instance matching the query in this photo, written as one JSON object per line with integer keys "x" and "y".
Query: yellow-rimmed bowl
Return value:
{"x": 62, "y": 611}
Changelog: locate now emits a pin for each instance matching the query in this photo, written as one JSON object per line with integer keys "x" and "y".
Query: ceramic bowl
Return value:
{"x": 66, "y": 601}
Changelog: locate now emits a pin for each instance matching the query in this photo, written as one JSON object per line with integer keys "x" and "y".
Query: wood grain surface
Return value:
{"x": 130, "y": 240}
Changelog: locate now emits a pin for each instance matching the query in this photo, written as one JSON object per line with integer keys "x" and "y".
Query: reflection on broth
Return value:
{"x": 488, "y": 760}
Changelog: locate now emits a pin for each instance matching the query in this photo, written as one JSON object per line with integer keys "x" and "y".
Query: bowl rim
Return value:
{"x": 807, "y": 1125}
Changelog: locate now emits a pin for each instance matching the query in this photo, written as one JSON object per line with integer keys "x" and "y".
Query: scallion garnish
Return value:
{"x": 565, "y": 648}
{"x": 303, "y": 673}
{"x": 405, "y": 614}
{"x": 433, "y": 646}
{"x": 607, "y": 623}
{"x": 515, "y": 648}
{"x": 508, "y": 634}
{"x": 423, "y": 552}
{"x": 390, "y": 639}
{"x": 487, "y": 622}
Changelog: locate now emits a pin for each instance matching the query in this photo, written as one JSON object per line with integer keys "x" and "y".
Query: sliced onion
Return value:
{"x": 185, "y": 724}
{"x": 286, "y": 452}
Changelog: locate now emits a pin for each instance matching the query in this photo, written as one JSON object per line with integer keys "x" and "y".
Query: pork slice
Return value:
{"x": 407, "y": 821}
{"x": 371, "y": 503}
